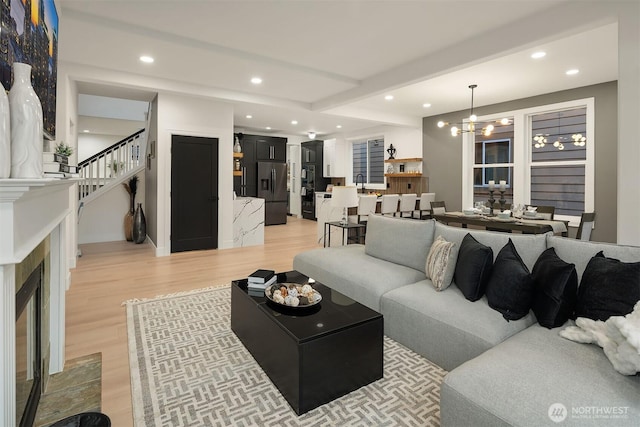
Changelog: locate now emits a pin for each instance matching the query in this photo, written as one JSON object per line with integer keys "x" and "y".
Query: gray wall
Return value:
{"x": 151, "y": 177}
{"x": 442, "y": 153}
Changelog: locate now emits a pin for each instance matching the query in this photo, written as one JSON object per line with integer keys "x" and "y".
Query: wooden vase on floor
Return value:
{"x": 128, "y": 226}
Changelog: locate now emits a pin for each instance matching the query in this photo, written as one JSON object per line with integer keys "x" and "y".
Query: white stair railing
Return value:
{"x": 106, "y": 166}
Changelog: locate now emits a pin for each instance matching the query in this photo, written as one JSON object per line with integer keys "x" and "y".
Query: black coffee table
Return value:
{"x": 312, "y": 355}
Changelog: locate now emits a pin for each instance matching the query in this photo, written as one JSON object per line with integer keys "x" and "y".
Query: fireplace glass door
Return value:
{"x": 28, "y": 349}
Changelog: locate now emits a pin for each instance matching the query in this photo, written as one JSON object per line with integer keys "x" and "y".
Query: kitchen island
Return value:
{"x": 248, "y": 222}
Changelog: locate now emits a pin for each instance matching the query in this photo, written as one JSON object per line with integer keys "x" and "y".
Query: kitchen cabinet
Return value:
{"x": 311, "y": 178}
{"x": 246, "y": 183}
{"x": 333, "y": 158}
{"x": 270, "y": 148}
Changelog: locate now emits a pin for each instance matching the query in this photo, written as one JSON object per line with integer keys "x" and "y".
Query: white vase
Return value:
{"x": 5, "y": 135}
{"x": 26, "y": 125}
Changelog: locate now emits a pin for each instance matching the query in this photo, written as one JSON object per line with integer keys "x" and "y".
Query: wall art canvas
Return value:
{"x": 29, "y": 34}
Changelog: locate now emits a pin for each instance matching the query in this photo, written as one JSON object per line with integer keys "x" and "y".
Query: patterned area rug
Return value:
{"x": 189, "y": 369}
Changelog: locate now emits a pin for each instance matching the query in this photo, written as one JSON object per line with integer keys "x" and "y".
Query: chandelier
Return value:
{"x": 540, "y": 141}
{"x": 472, "y": 126}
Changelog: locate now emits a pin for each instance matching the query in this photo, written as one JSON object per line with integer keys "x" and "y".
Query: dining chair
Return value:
{"x": 366, "y": 207}
{"x": 425, "y": 205}
{"x": 586, "y": 225}
{"x": 546, "y": 212}
{"x": 407, "y": 205}
{"x": 438, "y": 207}
{"x": 389, "y": 204}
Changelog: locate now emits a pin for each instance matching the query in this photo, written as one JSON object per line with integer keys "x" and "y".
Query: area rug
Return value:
{"x": 189, "y": 369}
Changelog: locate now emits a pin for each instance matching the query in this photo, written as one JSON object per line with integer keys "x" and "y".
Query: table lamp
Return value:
{"x": 344, "y": 197}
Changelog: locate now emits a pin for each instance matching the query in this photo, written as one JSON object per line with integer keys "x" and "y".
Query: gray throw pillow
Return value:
{"x": 441, "y": 263}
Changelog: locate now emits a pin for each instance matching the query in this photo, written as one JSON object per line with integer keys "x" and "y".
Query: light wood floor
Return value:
{"x": 109, "y": 273}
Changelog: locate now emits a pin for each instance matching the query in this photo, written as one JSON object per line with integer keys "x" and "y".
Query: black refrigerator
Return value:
{"x": 272, "y": 187}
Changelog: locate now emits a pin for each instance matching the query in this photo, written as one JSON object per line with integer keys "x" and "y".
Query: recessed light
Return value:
{"x": 339, "y": 126}
{"x": 294, "y": 122}
{"x": 146, "y": 59}
{"x": 268, "y": 128}
{"x": 249, "y": 116}
{"x": 256, "y": 80}
{"x": 572, "y": 72}
{"x": 312, "y": 135}
{"x": 426, "y": 105}
{"x": 538, "y": 55}
{"x": 388, "y": 97}
{"x": 86, "y": 131}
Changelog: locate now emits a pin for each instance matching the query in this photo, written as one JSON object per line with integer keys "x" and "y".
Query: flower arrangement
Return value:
{"x": 115, "y": 166}
{"x": 64, "y": 149}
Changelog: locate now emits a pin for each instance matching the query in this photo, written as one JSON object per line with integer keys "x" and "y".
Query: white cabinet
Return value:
{"x": 333, "y": 158}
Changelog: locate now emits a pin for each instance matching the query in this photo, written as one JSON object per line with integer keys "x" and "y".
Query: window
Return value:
{"x": 558, "y": 160}
{"x": 545, "y": 154}
{"x": 368, "y": 160}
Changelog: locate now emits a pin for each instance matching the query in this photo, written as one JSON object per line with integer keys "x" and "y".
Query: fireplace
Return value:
{"x": 38, "y": 242}
{"x": 29, "y": 362}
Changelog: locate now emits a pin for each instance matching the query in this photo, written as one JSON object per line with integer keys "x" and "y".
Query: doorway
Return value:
{"x": 194, "y": 193}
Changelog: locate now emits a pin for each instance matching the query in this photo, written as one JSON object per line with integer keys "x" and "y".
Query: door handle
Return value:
{"x": 273, "y": 180}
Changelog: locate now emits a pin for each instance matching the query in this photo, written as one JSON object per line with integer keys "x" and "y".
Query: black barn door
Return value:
{"x": 194, "y": 193}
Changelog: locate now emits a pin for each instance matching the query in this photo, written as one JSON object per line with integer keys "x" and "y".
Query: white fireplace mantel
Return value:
{"x": 31, "y": 210}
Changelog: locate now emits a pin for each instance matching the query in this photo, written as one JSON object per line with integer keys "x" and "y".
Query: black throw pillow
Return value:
{"x": 473, "y": 268}
{"x": 510, "y": 288}
{"x": 609, "y": 287}
{"x": 555, "y": 289}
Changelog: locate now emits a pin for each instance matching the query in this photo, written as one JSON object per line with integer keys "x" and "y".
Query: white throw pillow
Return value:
{"x": 441, "y": 263}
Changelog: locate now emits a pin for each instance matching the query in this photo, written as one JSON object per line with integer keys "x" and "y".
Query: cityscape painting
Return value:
{"x": 29, "y": 34}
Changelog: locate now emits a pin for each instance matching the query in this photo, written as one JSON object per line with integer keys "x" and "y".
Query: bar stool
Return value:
{"x": 425, "y": 205}
{"x": 366, "y": 207}
{"x": 407, "y": 205}
{"x": 389, "y": 204}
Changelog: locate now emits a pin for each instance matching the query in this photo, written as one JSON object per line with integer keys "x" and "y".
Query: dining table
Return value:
{"x": 523, "y": 225}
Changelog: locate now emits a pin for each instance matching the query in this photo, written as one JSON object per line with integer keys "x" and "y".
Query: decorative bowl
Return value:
{"x": 504, "y": 215}
{"x": 469, "y": 212}
{"x": 293, "y": 295}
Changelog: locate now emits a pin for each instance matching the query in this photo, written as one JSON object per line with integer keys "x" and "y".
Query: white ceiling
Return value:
{"x": 329, "y": 63}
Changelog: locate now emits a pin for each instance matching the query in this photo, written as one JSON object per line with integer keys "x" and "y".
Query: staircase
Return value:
{"x": 112, "y": 165}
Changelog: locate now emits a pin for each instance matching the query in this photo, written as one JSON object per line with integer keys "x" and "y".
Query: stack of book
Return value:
{"x": 57, "y": 166}
{"x": 259, "y": 280}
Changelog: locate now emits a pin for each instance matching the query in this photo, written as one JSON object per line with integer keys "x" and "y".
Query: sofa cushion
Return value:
{"x": 556, "y": 289}
{"x": 444, "y": 327}
{"x": 580, "y": 252}
{"x": 473, "y": 268}
{"x": 349, "y": 270}
{"x": 609, "y": 287}
{"x": 517, "y": 381}
{"x": 510, "y": 288}
{"x": 441, "y": 263}
{"x": 401, "y": 241}
{"x": 529, "y": 246}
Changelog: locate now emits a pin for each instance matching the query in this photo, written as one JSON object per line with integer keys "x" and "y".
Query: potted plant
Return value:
{"x": 115, "y": 166}
{"x": 63, "y": 149}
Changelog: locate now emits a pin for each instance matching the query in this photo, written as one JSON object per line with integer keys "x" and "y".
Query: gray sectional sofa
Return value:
{"x": 500, "y": 372}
